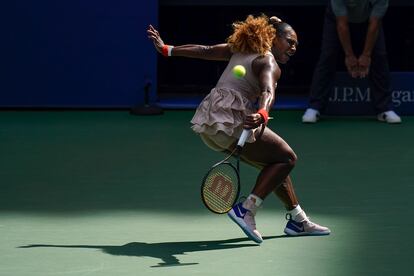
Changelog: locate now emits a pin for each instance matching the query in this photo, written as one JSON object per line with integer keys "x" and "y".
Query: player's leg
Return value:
{"x": 286, "y": 194}
{"x": 298, "y": 222}
{"x": 275, "y": 159}
{"x": 380, "y": 79}
{"x": 272, "y": 150}
{"x": 324, "y": 73}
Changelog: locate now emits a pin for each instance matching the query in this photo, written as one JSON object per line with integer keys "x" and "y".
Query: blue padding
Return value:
{"x": 76, "y": 54}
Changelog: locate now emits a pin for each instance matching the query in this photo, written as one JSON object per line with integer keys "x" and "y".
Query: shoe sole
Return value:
{"x": 310, "y": 121}
{"x": 392, "y": 123}
{"x": 251, "y": 236}
{"x": 290, "y": 232}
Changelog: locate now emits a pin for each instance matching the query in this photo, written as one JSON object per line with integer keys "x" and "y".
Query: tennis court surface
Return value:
{"x": 107, "y": 193}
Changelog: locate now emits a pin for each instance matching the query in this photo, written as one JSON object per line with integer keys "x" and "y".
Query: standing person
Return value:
{"x": 258, "y": 43}
{"x": 355, "y": 27}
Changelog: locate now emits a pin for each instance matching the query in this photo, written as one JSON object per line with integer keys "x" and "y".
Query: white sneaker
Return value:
{"x": 389, "y": 116}
{"x": 245, "y": 220}
{"x": 311, "y": 116}
{"x": 305, "y": 228}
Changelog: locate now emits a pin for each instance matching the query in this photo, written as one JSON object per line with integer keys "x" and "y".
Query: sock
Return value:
{"x": 252, "y": 203}
{"x": 298, "y": 214}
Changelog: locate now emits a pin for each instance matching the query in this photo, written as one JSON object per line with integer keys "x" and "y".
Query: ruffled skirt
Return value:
{"x": 223, "y": 110}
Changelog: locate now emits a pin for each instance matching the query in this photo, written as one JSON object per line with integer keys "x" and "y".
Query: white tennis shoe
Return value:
{"x": 390, "y": 117}
{"x": 245, "y": 220}
{"x": 304, "y": 228}
{"x": 311, "y": 116}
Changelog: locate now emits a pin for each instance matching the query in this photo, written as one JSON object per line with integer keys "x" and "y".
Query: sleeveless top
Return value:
{"x": 225, "y": 107}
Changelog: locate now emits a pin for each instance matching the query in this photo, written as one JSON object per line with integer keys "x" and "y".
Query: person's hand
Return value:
{"x": 156, "y": 38}
{"x": 351, "y": 64}
{"x": 253, "y": 120}
{"x": 364, "y": 63}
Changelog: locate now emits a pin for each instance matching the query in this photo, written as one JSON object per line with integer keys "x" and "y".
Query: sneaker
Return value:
{"x": 304, "y": 228}
{"x": 311, "y": 116}
{"x": 389, "y": 116}
{"x": 245, "y": 219}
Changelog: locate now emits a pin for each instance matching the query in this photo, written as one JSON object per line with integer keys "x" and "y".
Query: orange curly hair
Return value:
{"x": 254, "y": 35}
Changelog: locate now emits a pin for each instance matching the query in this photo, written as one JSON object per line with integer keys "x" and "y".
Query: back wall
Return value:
{"x": 76, "y": 53}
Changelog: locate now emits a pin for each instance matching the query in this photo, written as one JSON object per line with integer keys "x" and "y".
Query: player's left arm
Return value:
{"x": 208, "y": 52}
{"x": 372, "y": 34}
{"x": 378, "y": 11}
{"x": 268, "y": 72}
{"x": 364, "y": 60}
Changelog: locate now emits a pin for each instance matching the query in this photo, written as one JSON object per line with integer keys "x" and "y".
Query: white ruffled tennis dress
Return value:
{"x": 220, "y": 115}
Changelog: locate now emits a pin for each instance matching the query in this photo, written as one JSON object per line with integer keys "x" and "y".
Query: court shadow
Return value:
{"x": 165, "y": 251}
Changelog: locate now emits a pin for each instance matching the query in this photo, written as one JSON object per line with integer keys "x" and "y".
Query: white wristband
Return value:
{"x": 170, "y": 50}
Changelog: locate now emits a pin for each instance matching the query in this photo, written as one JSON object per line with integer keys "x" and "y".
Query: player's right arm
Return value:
{"x": 208, "y": 52}
{"x": 268, "y": 72}
{"x": 351, "y": 61}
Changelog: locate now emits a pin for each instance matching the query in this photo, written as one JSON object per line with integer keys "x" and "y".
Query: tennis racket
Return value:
{"x": 221, "y": 185}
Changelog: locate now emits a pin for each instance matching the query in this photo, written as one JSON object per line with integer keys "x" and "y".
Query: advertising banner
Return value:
{"x": 353, "y": 96}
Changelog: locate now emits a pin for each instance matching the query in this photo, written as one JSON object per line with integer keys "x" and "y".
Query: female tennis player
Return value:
{"x": 258, "y": 43}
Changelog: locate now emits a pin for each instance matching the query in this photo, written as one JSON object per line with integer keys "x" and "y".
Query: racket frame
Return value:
{"x": 224, "y": 162}
{"x": 235, "y": 153}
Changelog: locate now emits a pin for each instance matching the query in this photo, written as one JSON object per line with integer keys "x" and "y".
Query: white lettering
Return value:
{"x": 402, "y": 96}
{"x": 363, "y": 96}
{"x": 350, "y": 94}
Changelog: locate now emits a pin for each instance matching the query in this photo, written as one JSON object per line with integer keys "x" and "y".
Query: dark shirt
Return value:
{"x": 359, "y": 11}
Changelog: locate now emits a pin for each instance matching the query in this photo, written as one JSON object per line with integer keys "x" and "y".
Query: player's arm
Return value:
{"x": 208, "y": 52}
{"x": 372, "y": 34}
{"x": 378, "y": 11}
{"x": 268, "y": 72}
{"x": 364, "y": 61}
{"x": 351, "y": 61}
{"x": 342, "y": 28}
{"x": 212, "y": 52}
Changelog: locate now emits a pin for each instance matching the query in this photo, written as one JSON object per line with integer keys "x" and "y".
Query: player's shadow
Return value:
{"x": 165, "y": 251}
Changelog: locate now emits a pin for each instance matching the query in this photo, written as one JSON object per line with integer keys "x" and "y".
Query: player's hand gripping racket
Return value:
{"x": 221, "y": 185}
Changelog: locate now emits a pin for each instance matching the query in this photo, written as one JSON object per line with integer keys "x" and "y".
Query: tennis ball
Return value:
{"x": 239, "y": 71}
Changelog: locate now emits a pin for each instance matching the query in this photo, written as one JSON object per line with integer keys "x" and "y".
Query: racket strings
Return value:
{"x": 220, "y": 189}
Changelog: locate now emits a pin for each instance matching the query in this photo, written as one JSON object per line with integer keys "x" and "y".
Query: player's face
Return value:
{"x": 285, "y": 46}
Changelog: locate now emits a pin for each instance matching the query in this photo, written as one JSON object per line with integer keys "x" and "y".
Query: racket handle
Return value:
{"x": 243, "y": 137}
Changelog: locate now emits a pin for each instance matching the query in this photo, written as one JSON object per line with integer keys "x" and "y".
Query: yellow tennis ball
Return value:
{"x": 239, "y": 71}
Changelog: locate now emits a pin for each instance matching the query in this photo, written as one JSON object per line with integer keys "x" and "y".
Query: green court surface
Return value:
{"x": 108, "y": 193}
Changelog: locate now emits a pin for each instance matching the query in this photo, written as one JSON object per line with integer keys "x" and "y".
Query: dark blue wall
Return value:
{"x": 76, "y": 53}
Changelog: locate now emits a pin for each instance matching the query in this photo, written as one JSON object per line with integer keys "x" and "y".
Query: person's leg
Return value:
{"x": 325, "y": 70}
{"x": 380, "y": 80}
{"x": 276, "y": 158}
{"x": 379, "y": 75}
{"x": 286, "y": 194}
{"x": 285, "y": 191}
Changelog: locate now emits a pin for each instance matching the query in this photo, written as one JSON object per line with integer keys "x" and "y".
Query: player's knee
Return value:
{"x": 292, "y": 159}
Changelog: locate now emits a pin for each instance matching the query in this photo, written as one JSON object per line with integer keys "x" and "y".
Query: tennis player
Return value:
{"x": 258, "y": 43}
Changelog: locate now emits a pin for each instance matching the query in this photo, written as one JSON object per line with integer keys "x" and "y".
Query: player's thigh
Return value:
{"x": 269, "y": 148}
{"x": 219, "y": 141}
